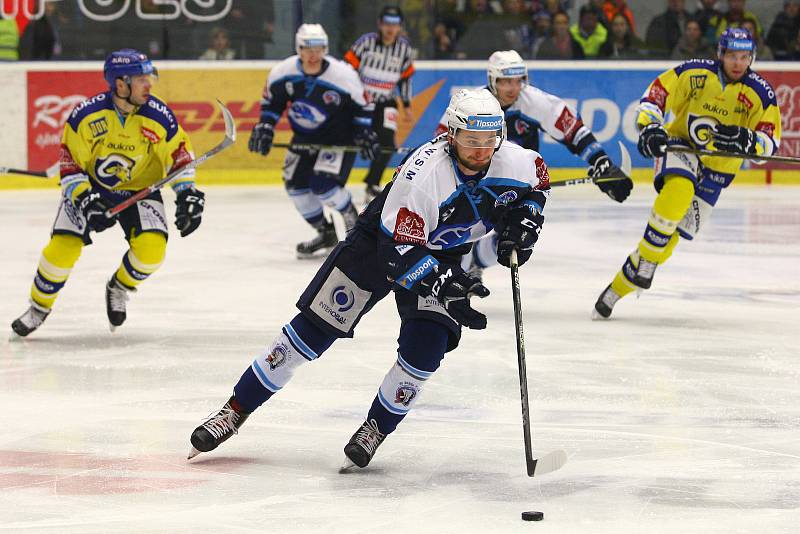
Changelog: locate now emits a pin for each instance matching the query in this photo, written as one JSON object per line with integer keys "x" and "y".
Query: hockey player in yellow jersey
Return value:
{"x": 115, "y": 144}
{"x": 717, "y": 104}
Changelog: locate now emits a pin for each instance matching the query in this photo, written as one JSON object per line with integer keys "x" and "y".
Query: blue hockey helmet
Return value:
{"x": 736, "y": 39}
{"x": 126, "y": 63}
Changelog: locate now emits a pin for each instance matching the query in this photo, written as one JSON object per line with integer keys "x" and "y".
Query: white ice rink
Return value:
{"x": 680, "y": 415}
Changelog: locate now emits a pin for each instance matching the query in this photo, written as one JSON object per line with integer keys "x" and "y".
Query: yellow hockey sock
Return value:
{"x": 55, "y": 264}
{"x": 145, "y": 256}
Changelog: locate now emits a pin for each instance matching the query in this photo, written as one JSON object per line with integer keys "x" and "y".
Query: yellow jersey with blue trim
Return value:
{"x": 692, "y": 98}
{"x": 119, "y": 154}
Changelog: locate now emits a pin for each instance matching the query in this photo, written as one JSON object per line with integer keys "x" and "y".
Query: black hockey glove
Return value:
{"x": 261, "y": 138}
{"x": 618, "y": 190}
{"x": 189, "y": 210}
{"x": 367, "y": 141}
{"x": 652, "y": 141}
{"x": 519, "y": 229}
{"x": 93, "y": 207}
{"x": 734, "y": 139}
{"x": 453, "y": 287}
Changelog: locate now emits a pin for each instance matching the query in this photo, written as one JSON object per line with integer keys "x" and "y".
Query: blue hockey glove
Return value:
{"x": 652, "y": 141}
{"x": 261, "y": 138}
{"x": 617, "y": 190}
{"x": 519, "y": 229}
{"x": 93, "y": 207}
{"x": 189, "y": 210}
{"x": 367, "y": 141}
{"x": 734, "y": 139}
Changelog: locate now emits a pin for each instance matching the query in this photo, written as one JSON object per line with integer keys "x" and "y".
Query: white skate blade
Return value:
{"x": 192, "y": 453}
{"x": 597, "y": 317}
{"x": 112, "y": 328}
{"x": 14, "y": 337}
{"x": 347, "y": 466}
{"x": 639, "y": 292}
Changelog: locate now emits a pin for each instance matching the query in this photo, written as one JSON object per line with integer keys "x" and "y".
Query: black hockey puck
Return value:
{"x": 532, "y": 516}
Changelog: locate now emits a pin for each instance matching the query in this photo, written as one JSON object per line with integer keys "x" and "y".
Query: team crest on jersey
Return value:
{"x": 697, "y": 81}
{"x": 405, "y": 393}
{"x": 278, "y": 356}
{"x": 700, "y": 129}
{"x": 450, "y": 236}
{"x": 521, "y": 127}
{"x": 113, "y": 170}
{"x": 306, "y": 116}
{"x": 98, "y": 127}
{"x": 331, "y": 98}
{"x": 409, "y": 228}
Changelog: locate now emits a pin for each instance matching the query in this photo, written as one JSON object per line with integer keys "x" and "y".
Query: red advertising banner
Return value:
{"x": 51, "y": 98}
{"x": 787, "y": 91}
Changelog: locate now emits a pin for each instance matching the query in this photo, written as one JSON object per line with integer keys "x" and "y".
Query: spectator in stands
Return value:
{"x": 560, "y": 45}
{"x": 601, "y": 16}
{"x": 693, "y": 44}
{"x": 706, "y": 10}
{"x": 784, "y": 31}
{"x": 41, "y": 38}
{"x": 220, "y": 48}
{"x": 443, "y": 41}
{"x": 551, "y": 7}
{"x": 542, "y": 29}
{"x": 588, "y": 32}
{"x": 732, "y": 18}
{"x": 518, "y": 31}
{"x": 9, "y": 40}
{"x": 621, "y": 43}
{"x": 763, "y": 52}
{"x": 665, "y": 30}
{"x": 612, "y": 8}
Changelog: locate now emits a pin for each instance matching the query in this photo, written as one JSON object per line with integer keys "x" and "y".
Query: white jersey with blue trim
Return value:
{"x": 432, "y": 204}
{"x": 326, "y": 106}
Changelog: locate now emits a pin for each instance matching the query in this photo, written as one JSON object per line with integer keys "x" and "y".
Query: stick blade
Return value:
{"x": 625, "y": 159}
{"x": 548, "y": 463}
{"x": 230, "y": 124}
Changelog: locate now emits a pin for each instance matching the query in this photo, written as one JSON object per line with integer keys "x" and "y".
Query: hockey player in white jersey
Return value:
{"x": 327, "y": 106}
{"x": 528, "y": 111}
{"x": 447, "y": 194}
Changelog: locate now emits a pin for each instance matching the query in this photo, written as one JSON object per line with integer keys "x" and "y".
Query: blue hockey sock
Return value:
{"x": 249, "y": 392}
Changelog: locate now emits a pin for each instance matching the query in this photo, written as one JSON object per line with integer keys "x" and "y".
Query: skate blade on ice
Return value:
{"x": 597, "y": 317}
{"x": 192, "y": 453}
{"x": 347, "y": 466}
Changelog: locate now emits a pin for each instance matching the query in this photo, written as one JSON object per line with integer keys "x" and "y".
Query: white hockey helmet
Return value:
{"x": 505, "y": 64}
{"x": 476, "y": 110}
{"x": 309, "y": 35}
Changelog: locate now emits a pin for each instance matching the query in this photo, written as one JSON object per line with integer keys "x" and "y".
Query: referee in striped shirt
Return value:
{"x": 384, "y": 61}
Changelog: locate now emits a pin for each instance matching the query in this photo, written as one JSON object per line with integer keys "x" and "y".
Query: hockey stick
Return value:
{"x": 50, "y": 172}
{"x": 725, "y": 154}
{"x": 624, "y": 167}
{"x": 346, "y": 148}
{"x": 552, "y": 460}
{"x": 230, "y": 138}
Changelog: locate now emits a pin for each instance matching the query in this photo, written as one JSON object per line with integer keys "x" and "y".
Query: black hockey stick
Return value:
{"x": 725, "y": 154}
{"x": 346, "y": 148}
{"x": 552, "y": 460}
{"x": 50, "y": 172}
{"x": 230, "y": 138}
{"x": 624, "y": 167}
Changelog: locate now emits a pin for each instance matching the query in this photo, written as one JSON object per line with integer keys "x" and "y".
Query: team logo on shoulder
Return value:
{"x": 150, "y": 135}
{"x": 278, "y": 356}
{"x": 700, "y": 129}
{"x": 658, "y": 94}
{"x": 409, "y": 228}
{"x": 542, "y": 173}
{"x": 331, "y": 98}
{"x": 567, "y": 123}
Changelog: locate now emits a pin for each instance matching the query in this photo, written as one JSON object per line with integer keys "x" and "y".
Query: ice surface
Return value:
{"x": 681, "y": 414}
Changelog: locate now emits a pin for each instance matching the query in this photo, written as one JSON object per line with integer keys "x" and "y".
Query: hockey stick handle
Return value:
{"x": 587, "y": 180}
{"x": 25, "y": 172}
{"x": 724, "y": 154}
{"x": 346, "y": 148}
{"x": 530, "y": 463}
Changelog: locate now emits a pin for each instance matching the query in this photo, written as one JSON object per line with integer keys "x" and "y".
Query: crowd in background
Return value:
{"x": 439, "y": 29}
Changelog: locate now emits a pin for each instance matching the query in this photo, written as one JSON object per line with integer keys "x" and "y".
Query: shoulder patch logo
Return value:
{"x": 542, "y": 174}
{"x": 409, "y": 228}
{"x": 744, "y": 100}
{"x": 331, "y": 98}
{"x": 150, "y": 135}
{"x": 697, "y": 81}
{"x": 658, "y": 94}
{"x": 98, "y": 127}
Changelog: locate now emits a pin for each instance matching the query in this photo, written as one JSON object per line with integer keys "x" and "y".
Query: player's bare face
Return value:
{"x": 311, "y": 59}
{"x": 474, "y": 150}
{"x": 735, "y": 63}
{"x": 140, "y": 88}
{"x": 508, "y": 90}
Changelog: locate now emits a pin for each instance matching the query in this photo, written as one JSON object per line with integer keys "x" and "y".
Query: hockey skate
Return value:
{"x": 362, "y": 446}
{"x": 217, "y": 428}
{"x": 30, "y": 320}
{"x": 349, "y": 216}
{"x": 371, "y": 192}
{"x": 605, "y": 304}
{"x": 116, "y": 297}
{"x": 324, "y": 241}
{"x": 644, "y": 274}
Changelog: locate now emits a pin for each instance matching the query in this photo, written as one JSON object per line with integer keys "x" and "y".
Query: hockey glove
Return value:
{"x": 93, "y": 207}
{"x": 618, "y": 190}
{"x": 652, "y": 141}
{"x": 734, "y": 139}
{"x": 189, "y": 210}
{"x": 261, "y": 138}
{"x": 367, "y": 141}
{"x": 453, "y": 287}
{"x": 519, "y": 230}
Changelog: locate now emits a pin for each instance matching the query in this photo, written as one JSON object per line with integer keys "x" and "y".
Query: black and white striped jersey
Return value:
{"x": 383, "y": 68}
